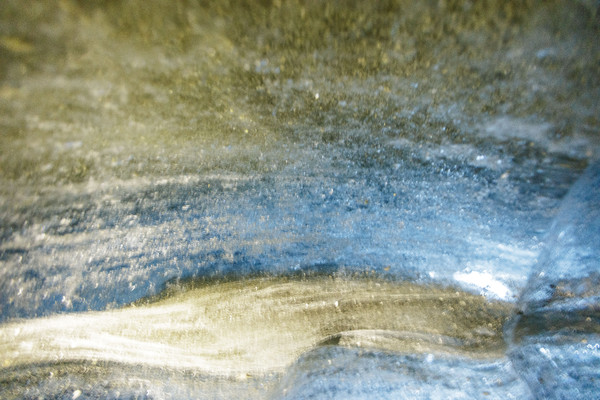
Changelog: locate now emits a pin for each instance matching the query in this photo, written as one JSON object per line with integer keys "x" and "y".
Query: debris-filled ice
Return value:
{"x": 149, "y": 146}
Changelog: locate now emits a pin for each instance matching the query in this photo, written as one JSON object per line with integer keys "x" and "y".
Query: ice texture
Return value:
{"x": 339, "y": 373}
{"x": 144, "y": 145}
{"x": 556, "y": 333}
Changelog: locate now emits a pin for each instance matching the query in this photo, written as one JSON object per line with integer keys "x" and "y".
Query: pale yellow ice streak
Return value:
{"x": 258, "y": 326}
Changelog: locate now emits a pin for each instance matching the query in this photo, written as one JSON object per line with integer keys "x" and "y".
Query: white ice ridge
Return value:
{"x": 490, "y": 286}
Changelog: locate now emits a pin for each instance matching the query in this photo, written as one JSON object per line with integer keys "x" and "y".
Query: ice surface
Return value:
{"x": 337, "y": 373}
{"x": 556, "y": 335}
{"x": 432, "y": 142}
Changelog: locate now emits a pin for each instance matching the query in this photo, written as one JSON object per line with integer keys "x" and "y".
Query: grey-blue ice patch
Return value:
{"x": 333, "y": 372}
{"x": 556, "y": 334}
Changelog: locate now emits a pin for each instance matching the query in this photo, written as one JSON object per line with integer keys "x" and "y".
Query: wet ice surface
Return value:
{"x": 424, "y": 142}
